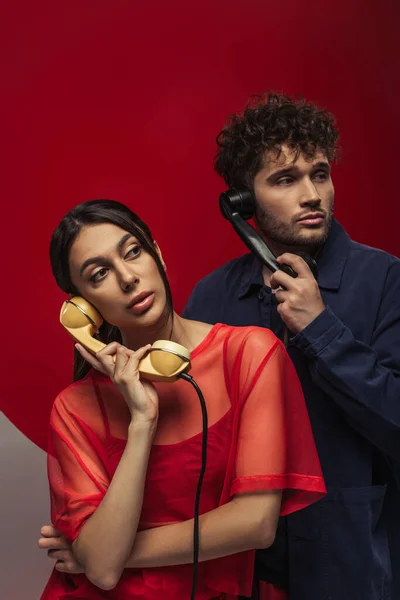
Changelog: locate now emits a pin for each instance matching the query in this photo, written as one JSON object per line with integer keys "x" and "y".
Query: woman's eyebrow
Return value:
{"x": 102, "y": 259}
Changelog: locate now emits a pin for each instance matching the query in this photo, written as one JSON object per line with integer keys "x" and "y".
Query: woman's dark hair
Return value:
{"x": 89, "y": 213}
{"x": 267, "y": 122}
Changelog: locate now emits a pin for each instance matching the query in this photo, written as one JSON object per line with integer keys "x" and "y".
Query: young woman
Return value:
{"x": 125, "y": 455}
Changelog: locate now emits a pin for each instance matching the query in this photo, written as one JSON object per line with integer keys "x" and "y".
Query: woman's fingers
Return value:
{"x": 92, "y": 360}
{"x": 59, "y": 554}
{"x": 107, "y": 357}
{"x": 114, "y": 359}
{"x": 121, "y": 358}
{"x": 53, "y": 543}
{"x": 109, "y": 350}
{"x": 127, "y": 363}
{"x": 50, "y": 531}
{"x": 103, "y": 361}
{"x": 137, "y": 356}
{"x": 72, "y": 568}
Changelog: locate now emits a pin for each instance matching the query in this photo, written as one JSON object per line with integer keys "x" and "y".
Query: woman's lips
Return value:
{"x": 143, "y": 305}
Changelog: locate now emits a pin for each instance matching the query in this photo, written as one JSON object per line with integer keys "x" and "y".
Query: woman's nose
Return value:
{"x": 128, "y": 279}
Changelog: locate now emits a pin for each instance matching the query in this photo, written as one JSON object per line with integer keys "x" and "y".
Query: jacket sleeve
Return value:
{"x": 363, "y": 380}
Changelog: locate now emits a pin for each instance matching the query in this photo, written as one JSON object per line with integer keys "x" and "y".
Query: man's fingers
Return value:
{"x": 281, "y": 279}
{"x": 281, "y": 296}
{"x": 296, "y": 262}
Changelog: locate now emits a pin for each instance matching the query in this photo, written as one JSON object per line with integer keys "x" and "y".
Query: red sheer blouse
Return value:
{"x": 259, "y": 438}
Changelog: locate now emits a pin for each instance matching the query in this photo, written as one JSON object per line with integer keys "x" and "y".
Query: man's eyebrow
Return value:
{"x": 322, "y": 165}
{"x": 293, "y": 169}
{"x": 286, "y": 171}
{"x": 102, "y": 259}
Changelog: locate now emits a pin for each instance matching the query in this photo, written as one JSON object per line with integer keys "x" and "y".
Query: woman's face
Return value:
{"x": 113, "y": 272}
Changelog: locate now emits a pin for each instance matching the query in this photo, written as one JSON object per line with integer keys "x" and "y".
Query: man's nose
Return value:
{"x": 310, "y": 195}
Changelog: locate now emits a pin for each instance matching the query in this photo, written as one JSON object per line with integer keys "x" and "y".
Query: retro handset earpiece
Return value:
{"x": 238, "y": 206}
{"x": 165, "y": 360}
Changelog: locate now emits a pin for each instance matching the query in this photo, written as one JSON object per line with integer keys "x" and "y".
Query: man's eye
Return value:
{"x": 284, "y": 181}
{"x": 320, "y": 176}
{"x": 100, "y": 274}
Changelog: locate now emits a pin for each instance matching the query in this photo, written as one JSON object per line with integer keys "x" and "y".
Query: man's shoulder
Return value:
{"x": 212, "y": 294}
{"x": 231, "y": 272}
{"x": 357, "y": 259}
{"x": 374, "y": 257}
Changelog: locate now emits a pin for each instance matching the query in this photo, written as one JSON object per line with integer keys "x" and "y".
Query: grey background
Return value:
{"x": 24, "y": 507}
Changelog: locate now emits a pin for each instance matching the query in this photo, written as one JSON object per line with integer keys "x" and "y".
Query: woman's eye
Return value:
{"x": 100, "y": 274}
{"x": 134, "y": 251}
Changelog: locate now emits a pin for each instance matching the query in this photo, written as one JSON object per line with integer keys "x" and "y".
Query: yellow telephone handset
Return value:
{"x": 164, "y": 362}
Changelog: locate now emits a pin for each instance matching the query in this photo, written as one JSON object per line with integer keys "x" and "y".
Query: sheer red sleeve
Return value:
{"x": 76, "y": 467}
{"x": 275, "y": 447}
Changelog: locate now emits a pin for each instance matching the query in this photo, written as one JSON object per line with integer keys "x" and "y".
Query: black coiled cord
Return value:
{"x": 190, "y": 379}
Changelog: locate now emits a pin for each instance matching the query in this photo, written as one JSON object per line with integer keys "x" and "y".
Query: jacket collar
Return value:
{"x": 331, "y": 261}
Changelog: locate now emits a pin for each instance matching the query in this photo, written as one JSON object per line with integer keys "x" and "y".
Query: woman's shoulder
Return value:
{"x": 76, "y": 389}
{"x": 81, "y": 398}
{"x": 230, "y": 339}
{"x": 252, "y": 338}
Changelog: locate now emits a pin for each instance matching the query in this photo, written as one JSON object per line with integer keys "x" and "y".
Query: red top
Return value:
{"x": 259, "y": 438}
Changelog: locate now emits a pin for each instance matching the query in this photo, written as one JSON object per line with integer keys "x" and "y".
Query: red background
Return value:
{"x": 124, "y": 99}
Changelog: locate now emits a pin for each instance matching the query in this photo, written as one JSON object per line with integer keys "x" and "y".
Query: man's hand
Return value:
{"x": 59, "y": 550}
{"x": 300, "y": 301}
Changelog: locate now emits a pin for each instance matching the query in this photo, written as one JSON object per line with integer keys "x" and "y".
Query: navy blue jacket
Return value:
{"x": 347, "y": 546}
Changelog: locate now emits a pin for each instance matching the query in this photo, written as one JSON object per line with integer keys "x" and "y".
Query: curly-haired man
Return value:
{"x": 344, "y": 337}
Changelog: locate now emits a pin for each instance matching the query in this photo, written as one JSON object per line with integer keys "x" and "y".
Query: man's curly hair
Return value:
{"x": 267, "y": 122}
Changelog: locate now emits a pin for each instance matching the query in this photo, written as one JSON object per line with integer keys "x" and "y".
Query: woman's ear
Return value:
{"x": 159, "y": 254}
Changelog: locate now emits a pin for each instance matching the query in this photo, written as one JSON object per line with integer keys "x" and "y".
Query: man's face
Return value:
{"x": 294, "y": 200}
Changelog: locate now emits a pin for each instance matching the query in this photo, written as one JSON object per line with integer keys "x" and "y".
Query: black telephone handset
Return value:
{"x": 237, "y": 206}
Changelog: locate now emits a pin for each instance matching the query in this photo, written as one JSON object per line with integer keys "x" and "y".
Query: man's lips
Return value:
{"x": 311, "y": 219}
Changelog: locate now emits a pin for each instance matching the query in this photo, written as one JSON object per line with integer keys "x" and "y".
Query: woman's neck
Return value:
{"x": 174, "y": 328}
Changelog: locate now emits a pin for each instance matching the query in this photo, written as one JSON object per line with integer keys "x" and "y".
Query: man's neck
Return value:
{"x": 277, "y": 249}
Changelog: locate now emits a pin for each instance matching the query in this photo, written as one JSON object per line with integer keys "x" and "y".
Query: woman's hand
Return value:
{"x": 60, "y": 550}
{"x": 121, "y": 365}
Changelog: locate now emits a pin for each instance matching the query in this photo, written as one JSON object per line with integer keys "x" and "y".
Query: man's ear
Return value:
{"x": 159, "y": 254}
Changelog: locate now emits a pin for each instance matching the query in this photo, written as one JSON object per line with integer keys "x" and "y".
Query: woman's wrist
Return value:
{"x": 142, "y": 426}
